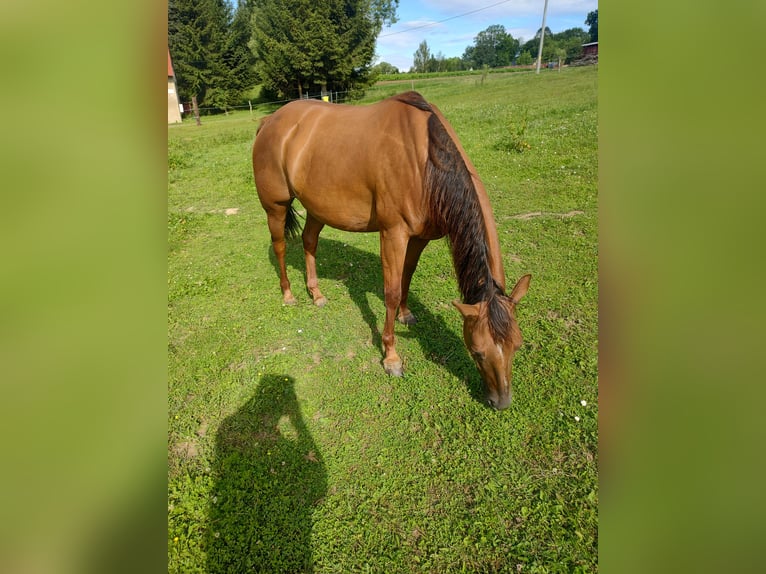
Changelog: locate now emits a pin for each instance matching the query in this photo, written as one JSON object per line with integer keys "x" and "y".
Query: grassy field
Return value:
{"x": 290, "y": 450}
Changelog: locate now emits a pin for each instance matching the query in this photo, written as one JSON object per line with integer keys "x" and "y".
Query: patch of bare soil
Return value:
{"x": 186, "y": 449}
{"x": 533, "y": 214}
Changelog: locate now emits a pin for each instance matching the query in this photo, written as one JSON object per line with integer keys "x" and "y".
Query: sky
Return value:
{"x": 425, "y": 20}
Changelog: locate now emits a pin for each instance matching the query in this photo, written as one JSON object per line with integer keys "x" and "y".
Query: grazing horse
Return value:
{"x": 395, "y": 167}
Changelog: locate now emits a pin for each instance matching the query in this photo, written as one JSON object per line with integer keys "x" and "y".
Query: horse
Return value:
{"x": 395, "y": 167}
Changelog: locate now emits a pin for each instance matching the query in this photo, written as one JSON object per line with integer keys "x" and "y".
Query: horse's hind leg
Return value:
{"x": 276, "y": 217}
{"x": 415, "y": 247}
{"x": 310, "y": 240}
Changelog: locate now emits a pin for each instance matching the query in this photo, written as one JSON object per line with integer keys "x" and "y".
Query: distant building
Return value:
{"x": 174, "y": 108}
{"x": 590, "y": 49}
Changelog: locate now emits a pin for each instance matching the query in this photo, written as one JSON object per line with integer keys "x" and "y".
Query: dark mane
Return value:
{"x": 455, "y": 209}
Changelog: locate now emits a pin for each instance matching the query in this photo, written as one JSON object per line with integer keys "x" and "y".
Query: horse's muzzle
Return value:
{"x": 499, "y": 404}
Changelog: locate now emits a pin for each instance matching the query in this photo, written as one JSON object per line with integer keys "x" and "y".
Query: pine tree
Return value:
{"x": 219, "y": 16}
{"x": 186, "y": 27}
{"x": 239, "y": 59}
{"x": 305, "y": 44}
{"x": 209, "y": 49}
{"x": 276, "y": 40}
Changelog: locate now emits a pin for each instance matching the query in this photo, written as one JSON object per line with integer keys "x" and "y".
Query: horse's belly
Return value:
{"x": 342, "y": 211}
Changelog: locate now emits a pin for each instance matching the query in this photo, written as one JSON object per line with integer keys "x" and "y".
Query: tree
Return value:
{"x": 206, "y": 44}
{"x": 468, "y": 57}
{"x": 592, "y": 21}
{"x": 549, "y": 45}
{"x": 571, "y": 41}
{"x": 525, "y": 59}
{"x": 421, "y": 57}
{"x": 548, "y": 33}
{"x": 195, "y": 40}
{"x": 239, "y": 59}
{"x": 385, "y": 68}
{"x": 304, "y": 44}
{"x": 493, "y": 47}
{"x": 506, "y": 50}
{"x": 453, "y": 64}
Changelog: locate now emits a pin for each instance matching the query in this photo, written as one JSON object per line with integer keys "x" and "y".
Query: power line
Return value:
{"x": 445, "y": 20}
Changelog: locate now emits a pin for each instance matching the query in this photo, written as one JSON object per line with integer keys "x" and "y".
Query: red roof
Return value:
{"x": 170, "y": 66}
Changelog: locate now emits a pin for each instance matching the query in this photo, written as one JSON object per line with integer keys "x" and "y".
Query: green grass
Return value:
{"x": 290, "y": 450}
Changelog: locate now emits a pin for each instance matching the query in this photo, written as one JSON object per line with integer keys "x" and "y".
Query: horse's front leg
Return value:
{"x": 393, "y": 245}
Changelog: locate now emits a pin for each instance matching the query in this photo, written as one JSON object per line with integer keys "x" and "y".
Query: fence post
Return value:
{"x": 196, "y": 110}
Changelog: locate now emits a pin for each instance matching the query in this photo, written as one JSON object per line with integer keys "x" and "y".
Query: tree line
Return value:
{"x": 294, "y": 47}
{"x": 288, "y": 47}
{"x": 495, "y": 48}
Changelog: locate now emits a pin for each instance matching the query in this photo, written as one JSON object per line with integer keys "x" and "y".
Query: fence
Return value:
{"x": 334, "y": 97}
{"x": 341, "y": 96}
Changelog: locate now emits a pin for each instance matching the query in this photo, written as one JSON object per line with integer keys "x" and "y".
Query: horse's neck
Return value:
{"x": 495, "y": 261}
{"x": 493, "y": 243}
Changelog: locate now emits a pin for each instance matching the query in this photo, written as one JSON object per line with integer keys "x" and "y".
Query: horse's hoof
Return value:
{"x": 289, "y": 300}
{"x": 321, "y": 302}
{"x": 394, "y": 369}
{"x": 408, "y": 319}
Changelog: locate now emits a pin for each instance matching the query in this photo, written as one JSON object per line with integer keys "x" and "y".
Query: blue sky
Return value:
{"x": 521, "y": 19}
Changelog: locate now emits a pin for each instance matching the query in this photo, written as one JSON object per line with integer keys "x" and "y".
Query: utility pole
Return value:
{"x": 542, "y": 36}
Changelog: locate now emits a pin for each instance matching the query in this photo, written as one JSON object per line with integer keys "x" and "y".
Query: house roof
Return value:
{"x": 170, "y": 66}
{"x": 591, "y": 44}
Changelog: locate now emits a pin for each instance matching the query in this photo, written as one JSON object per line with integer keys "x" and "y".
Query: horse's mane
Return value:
{"x": 454, "y": 207}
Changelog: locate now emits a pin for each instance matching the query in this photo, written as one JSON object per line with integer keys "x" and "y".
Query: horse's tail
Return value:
{"x": 292, "y": 219}
{"x": 292, "y": 222}
{"x": 262, "y": 123}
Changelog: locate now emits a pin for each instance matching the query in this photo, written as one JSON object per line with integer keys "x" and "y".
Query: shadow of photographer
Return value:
{"x": 269, "y": 476}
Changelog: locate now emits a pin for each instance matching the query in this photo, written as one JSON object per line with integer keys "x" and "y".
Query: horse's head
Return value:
{"x": 494, "y": 352}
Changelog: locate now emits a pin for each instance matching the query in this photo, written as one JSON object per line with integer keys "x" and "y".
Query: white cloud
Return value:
{"x": 510, "y": 8}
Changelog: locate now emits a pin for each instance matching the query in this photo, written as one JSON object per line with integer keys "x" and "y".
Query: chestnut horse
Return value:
{"x": 395, "y": 167}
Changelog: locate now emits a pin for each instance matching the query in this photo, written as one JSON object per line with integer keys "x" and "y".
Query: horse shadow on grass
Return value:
{"x": 269, "y": 477}
{"x": 362, "y": 274}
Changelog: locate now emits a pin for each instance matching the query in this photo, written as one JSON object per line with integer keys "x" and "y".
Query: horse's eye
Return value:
{"x": 478, "y": 355}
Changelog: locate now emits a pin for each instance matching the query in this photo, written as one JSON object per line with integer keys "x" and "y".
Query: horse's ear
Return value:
{"x": 466, "y": 310}
{"x": 521, "y": 288}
